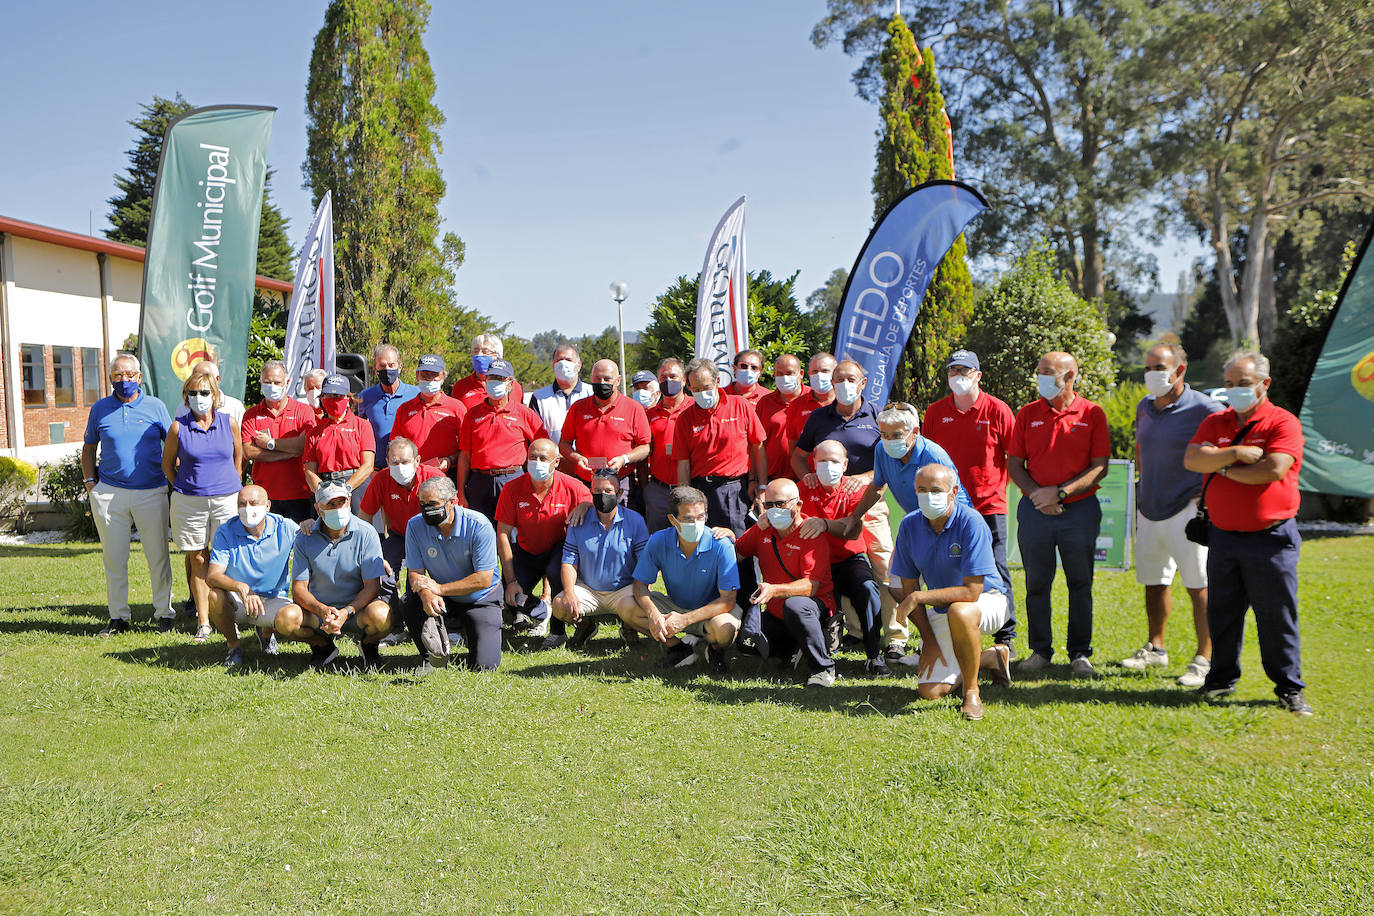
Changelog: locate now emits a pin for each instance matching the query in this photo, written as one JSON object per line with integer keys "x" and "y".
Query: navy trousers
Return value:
{"x": 1073, "y": 535}
{"x": 1254, "y": 569}
{"x": 997, "y": 524}
{"x": 799, "y": 628}
{"x": 480, "y": 625}
{"x": 853, "y": 579}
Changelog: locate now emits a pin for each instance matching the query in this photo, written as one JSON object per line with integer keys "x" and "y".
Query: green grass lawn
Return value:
{"x": 135, "y": 775}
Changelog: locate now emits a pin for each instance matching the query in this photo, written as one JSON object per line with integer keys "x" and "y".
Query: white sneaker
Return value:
{"x": 1081, "y": 667}
{"x": 823, "y": 678}
{"x": 1196, "y": 672}
{"x": 1147, "y": 656}
{"x": 541, "y": 629}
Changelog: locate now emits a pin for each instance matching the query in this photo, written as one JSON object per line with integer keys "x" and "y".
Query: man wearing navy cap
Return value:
{"x": 432, "y": 419}
{"x": 378, "y": 404}
{"x": 471, "y": 389}
{"x": 340, "y": 447}
{"x": 494, "y": 441}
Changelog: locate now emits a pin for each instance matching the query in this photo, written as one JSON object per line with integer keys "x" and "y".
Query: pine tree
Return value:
{"x": 373, "y": 141}
{"x": 913, "y": 147}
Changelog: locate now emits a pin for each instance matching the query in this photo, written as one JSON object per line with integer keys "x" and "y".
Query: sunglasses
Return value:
{"x": 776, "y": 504}
{"x": 202, "y": 392}
{"x": 900, "y": 405}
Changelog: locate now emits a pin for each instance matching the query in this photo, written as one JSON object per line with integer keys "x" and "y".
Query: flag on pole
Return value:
{"x": 723, "y": 294}
{"x": 310, "y": 317}
{"x": 889, "y": 279}
{"x": 203, "y": 247}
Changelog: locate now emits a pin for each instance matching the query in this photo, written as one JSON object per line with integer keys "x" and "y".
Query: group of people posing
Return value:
{"x": 762, "y": 512}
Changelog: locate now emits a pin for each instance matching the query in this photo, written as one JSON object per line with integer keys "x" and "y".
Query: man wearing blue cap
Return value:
{"x": 340, "y": 447}
{"x": 378, "y": 404}
{"x": 432, "y": 419}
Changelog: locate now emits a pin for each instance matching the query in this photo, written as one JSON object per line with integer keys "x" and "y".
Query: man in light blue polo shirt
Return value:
{"x": 600, "y": 554}
{"x": 377, "y": 404}
{"x": 701, "y": 579}
{"x": 125, "y": 431}
{"x": 336, "y": 573}
{"x": 948, "y": 545}
{"x": 454, "y": 580}
{"x": 250, "y": 572}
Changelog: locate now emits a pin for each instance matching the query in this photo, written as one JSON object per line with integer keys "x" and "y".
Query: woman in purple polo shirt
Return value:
{"x": 203, "y": 460}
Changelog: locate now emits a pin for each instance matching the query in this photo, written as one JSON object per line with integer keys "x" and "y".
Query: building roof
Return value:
{"x": 26, "y": 230}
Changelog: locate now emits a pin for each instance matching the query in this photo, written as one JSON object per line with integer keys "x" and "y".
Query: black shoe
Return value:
{"x": 321, "y": 657}
{"x": 715, "y": 662}
{"x": 850, "y": 641}
{"x": 678, "y": 656}
{"x": 235, "y": 658}
{"x": 628, "y": 634}
{"x": 876, "y": 667}
{"x": 116, "y": 626}
{"x": 1296, "y": 703}
{"x": 188, "y": 608}
{"x": 586, "y": 629}
{"x": 165, "y": 624}
{"x": 894, "y": 652}
{"x": 1213, "y": 693}
{"x": 553, "y": 641}
{"x": 372, "y": 656}
{"x": 522, "y": 622}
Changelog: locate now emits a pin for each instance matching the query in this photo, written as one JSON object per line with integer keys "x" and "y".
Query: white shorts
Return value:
{"x": 1163, "y": 547}
{"x": 592, "y": 602}
{"x": 268, "y": 617}
{"x": 992, "y": 615}
{"x": 195, "y": 519}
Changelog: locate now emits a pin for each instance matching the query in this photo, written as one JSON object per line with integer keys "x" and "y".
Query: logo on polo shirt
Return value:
{"x": 396, "y": 496}
{"x": 955, "y": 549}
{"x": 1078, "y": 423}
{"x": 1035, "y": 423}
{"x": 523, "y": 504}
{"x": 432, "y": 551}
{"x": 948, "y": 420}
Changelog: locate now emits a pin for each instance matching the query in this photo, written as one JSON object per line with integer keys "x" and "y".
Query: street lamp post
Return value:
{"x": 620, "y": 291}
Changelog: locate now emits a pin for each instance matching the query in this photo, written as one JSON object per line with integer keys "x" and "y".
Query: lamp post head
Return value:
{"x": 620, "y": 291}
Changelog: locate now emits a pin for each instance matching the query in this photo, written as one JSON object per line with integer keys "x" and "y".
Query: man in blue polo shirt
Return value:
{"x": 250, "y": 572}
{"x": 948, "y": 545}
{"x": 377, "y": 404}
{"x": 701, "y": 578}
{"x": 125, "y": 430}
{"x": 600, "y": 553}
{"x": 454, "y": 579}
{"x": 336, "y": 573}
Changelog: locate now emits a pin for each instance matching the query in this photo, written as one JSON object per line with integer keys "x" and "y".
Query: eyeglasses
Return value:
{"x": 777, "y": 504}
{"x": 901, "y": 405}
{"x": 202, "y": 392}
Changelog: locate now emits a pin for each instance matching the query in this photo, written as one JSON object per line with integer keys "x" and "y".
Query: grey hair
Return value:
{"x": 273, "y": 364}
{"x": 1176, "y": 350}
{"x": 127, "y": 357}
{"x": 489, "y": 340}
{"x": 1260, "y": 360}
{"x": 384, "y": 347}
{"x": 440, "y": 488}
{"x": 700, "y": 364}
{"x": 907, "y": 419}
{"x": 315, "y": 373}
{"x": 401, "y": 440}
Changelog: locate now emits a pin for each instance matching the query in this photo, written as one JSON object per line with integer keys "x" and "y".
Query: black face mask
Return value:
{"x": 434, "y": 515}
{"x": 604, "y": 502}
{"x": 388, "y": 376}
{"x": 672, "y": 387}
{"x": 603, "y": 390}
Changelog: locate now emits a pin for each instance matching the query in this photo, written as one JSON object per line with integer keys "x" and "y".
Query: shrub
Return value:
{"x": 64, "y": 484}
{"x": 1119, "y": 405}
{"x": 16, "y": 479}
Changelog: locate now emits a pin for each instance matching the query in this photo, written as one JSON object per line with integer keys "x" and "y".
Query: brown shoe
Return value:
{"x": 1001, "y": 675}
{"x": 972, "y": 710}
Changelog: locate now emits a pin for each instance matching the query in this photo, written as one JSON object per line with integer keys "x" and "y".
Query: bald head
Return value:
{"x": 936, "y": 478}
{"x": 780, "y": 488}
{"x": 543, "y": 450}
{"x": 252, "y": 495}
{"x": 605, "y": 370}
{"x": 1062, "y": 366}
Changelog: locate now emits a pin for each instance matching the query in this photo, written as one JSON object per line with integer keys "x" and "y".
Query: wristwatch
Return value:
{"x": 1223, "y": 471}
{"x": 271, "y": 445}
{"x": 1063, "y": 494}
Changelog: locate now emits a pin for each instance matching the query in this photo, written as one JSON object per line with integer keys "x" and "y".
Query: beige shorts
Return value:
{"x": 268, "y": 617}
{"x": 992, "y": 615}
{"x": 195, "y": 519}
{"x": 593, "y": 603}
{"x": 1162, "y": 548}
{"x": 665, "y": 605}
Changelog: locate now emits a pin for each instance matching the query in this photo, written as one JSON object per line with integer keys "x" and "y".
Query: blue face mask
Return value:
{"x": 691, "y": 531}
{"x": 388, "y": 376}
{"x": 337, "y": 519}
{"x": 481, "y": 363}
{"x": 896, "y": 448}
{"x": 1242, "y": 399}
{"x": 125, "y": 388}
{"x": 272, "y": 392}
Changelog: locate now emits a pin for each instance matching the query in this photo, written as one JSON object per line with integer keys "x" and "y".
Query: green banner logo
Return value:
{"x": 203, "y": 248}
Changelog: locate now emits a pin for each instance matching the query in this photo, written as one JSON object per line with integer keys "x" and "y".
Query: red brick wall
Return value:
{"x": 36, "y": 419}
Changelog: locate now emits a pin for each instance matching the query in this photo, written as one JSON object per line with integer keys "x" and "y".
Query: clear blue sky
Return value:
{"x": 585, "y": 143}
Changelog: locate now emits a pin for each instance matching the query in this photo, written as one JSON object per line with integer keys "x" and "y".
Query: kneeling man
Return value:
{"x": 337, "y": 571}
{"x": 948, "y": 544}
{"x": 250, "y": 568}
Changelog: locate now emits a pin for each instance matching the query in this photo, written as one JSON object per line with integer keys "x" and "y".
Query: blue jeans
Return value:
{"x": 997, "y": 524}
{"x": 1073, "y": 535}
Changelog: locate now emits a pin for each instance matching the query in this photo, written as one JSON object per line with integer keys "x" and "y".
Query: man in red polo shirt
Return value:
{"x": 341, "y": 446}
{"x": 273, "y": 434}
{"x": 496, "y": 436}
{"x": 748, "y": 370}
{"x": 658, "y": 475}
{"x": 974, "y": 429}
{"x": 772, "y": 411}
{"x": 394, "y": 491}
{"x": 432, "y": 419}
{"x": 796, "y": 593}
{"x": 717, "y": 440}
{"x": 1252, "y": 453}
{"x": 820, "y": 373}
{"x": 531, "y": 521}
{"x": 472, "y": 389}
{"x": 1057, "y": 456}
{"x": 607, "y": 429}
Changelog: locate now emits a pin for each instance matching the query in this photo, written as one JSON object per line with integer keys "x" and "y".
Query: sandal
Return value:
{"x": 202, "y": 633}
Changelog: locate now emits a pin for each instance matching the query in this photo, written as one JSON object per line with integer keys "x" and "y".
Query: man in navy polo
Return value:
{"x": 453, "y": 578}
{"x": 250, "y": 572}
{"x": 125, "y": 431}
{"x": 701, "y": 579}
{"x": 948, "y": 545}
{"x": 377, "y": 404}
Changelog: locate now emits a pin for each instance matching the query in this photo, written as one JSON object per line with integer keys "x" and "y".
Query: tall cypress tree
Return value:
{"x": 913, "y": 147}
{"x": 373, "y": 141}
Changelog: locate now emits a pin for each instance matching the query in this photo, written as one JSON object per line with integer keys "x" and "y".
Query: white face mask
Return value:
{"x": 744, "y": 377}
{"x": 430, "y": 385}
{"x": 847, "y": 392}
{"x": 199, "y": 404}
{"x": 252, "y": 516}
{"x": 933, "y": 505}
{"x": 645, "y": 397}
{"x": 565, "y": 370}
{"x": 706, "y": 398}
{"x": 787, "y": 383}
{"x": 271, "y": 392}
{"x": 896, "y": 448}
{"x": 403, "y": 472}
{"x": 337, "y": 519}
{"x": 312, "y": 397}
{"x": 1242, "y": 399}
{"x": 829, "y": 472}
{"x": 691, "y": 531}
{"x": 1048, "y": 386}
{"x": 496, "y": 388}
{"x": 780, "y": 517}
{"x": 1157, "y": 382}
{"x": 539, "y": 470}
{"x": 821, "y": 381}
{"x": 961, "y": 385}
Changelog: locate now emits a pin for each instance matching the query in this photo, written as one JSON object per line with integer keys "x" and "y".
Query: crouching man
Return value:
{"x": 451, "y": 570}
{"x": 948, "y": 544}
{"x": 337, "y": 571}
{"x": 250, "y": 571}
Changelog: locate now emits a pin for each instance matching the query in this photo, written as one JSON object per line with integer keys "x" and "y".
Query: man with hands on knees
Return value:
{"x": 250, "y": 571}
{"x": 701, "y": 580}
{"x": 948, "y": 545}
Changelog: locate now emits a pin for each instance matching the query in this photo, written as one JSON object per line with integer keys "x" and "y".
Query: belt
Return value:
{"x": 499, "y": 472}
{"x": 338, "y": 476}
{"x": 718, "y": 478}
